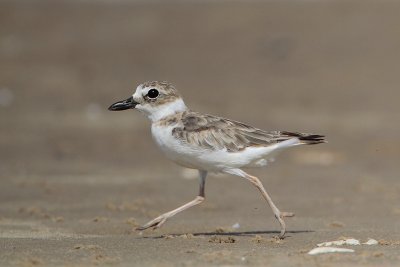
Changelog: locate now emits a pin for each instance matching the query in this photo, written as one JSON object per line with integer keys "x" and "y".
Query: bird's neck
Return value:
{"x": 168, "y": 109}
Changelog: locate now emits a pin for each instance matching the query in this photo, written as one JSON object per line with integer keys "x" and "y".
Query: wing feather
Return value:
{"x": 217, "y": 133}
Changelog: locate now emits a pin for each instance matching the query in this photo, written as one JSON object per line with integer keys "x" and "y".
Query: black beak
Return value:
{"x": 124, "y": 104}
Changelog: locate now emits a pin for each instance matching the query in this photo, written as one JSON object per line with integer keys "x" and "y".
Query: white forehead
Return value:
{"x": 140, "y": 91}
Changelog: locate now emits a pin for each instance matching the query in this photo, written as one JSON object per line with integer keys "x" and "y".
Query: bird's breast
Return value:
{"x": 172, "y": 147}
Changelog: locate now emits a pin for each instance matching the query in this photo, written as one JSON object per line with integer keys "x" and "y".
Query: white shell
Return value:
{"x": 323, "y": 250}
{"x": 349, "y": 241}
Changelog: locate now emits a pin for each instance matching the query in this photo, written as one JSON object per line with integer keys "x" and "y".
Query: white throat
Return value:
{"x": 167, "y": 109}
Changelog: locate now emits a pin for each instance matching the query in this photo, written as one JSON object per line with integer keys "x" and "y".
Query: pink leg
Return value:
{"x": 160, "y": 220}
{"x": 256, "y": 182}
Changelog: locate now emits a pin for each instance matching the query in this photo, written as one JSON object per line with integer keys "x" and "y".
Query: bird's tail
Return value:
{"x": 312, "y": 139}
{"x": 308, "y": 139}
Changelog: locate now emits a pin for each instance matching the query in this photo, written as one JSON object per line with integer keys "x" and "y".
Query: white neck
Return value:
{"x": 167, "y": 109}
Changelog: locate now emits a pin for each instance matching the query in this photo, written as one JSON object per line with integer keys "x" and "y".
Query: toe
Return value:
{"x": 156, "y": 223}
{"x": 141, "y": 228}
{"x": 281, "y": 236}
{"x": 146, "y": 226}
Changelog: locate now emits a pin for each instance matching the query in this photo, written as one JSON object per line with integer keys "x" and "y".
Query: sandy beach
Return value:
{"x": 76, "y": 179}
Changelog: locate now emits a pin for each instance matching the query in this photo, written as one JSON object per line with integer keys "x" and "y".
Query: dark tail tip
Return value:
{"x": 312, "y": 139}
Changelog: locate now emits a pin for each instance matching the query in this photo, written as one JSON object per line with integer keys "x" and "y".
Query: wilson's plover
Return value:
{"x": 208, "y": 143}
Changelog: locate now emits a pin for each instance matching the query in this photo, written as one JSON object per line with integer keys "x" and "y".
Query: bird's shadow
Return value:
{"x": 243, "y": 233}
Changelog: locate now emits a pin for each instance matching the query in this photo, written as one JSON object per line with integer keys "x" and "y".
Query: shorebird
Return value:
{"x": 208, "y": 143}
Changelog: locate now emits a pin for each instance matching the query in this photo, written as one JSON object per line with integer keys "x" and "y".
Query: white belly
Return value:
{"x": 205, "y": 159}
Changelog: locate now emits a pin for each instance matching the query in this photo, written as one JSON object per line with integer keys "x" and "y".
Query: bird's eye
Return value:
{"x": 153, "y": 93}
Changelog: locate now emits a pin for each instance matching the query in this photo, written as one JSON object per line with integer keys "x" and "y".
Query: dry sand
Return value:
{"x": 75, "y": 179}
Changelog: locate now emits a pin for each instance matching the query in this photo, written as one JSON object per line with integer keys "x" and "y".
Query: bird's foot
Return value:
{"x": 287, "y": 214}
{"x": 280, "y": 217}
{"x": 155, "y": 223}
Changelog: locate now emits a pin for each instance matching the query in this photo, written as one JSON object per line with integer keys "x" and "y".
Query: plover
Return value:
{"x": 208, "y": 143}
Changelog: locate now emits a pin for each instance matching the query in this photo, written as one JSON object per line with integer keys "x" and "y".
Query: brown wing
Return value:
{"x": 217, "y": 133}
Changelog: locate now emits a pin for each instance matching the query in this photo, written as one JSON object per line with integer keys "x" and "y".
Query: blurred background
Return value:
{"x": 66, "y": 163}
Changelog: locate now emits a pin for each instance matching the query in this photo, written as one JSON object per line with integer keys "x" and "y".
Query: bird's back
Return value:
{"x": 216, "y": 133}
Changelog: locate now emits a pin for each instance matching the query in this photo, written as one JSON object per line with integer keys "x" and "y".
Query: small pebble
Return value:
{"x": 371, "y": 242}
{"x": 236, "y": 226}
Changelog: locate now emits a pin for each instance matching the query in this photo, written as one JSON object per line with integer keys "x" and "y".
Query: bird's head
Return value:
{"x": 155, "y": 99}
